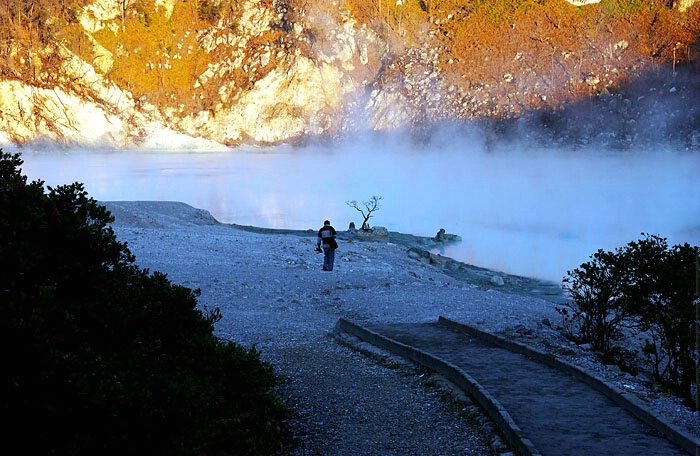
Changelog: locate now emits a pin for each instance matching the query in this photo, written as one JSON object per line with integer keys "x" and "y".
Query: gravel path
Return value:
{"x": 273, "y": 295}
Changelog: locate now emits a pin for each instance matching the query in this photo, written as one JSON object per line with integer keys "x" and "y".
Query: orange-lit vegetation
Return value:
{"x": 519, "y": 49}
{"x": 155, "y": 56}
{"x": 513, "y": 51}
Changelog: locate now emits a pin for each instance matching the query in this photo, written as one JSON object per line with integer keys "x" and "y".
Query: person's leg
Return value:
{"x": 331, "y": 259}
{"x": 326, "y": 258}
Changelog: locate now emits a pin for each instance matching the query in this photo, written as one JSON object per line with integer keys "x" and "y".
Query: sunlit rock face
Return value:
{"x": 88, "y": 111}
{"x": 267, "y": 74}
{"x": 316, "y": 87}
{"x": 683, "y": 5}
{"x": 582, "y": 2}
{"x": 287, "y": 92}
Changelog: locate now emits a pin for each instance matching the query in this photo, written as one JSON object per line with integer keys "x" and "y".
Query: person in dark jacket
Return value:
{"x": 326, "y": 239}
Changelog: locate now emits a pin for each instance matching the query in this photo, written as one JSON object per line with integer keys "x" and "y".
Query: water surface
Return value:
{"x": 532, "y": 213}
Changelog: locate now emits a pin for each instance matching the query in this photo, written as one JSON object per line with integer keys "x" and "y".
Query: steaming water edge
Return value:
{"x": 535, "y": 213}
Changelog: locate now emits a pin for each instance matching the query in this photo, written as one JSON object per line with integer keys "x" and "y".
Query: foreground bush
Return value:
{"x": 101, "y": 357}
{"x": 643, "y": 288}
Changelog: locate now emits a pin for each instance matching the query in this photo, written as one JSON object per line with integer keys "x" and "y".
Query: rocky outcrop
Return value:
{"x": 264, "y": 72}
{"x": 684, "y": 5}
{"x": 582, "y": 2}
{"x": 444, "y": 236}
{"x": 378, "y": 233}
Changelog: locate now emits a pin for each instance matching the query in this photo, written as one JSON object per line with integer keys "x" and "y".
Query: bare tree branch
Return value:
{"x": 369, "y": 207}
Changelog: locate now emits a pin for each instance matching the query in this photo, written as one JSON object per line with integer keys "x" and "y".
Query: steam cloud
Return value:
{"x": 535, "y": 213}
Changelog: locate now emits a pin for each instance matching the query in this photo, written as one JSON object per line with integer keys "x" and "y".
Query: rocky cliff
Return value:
{"x": 112, "y": 73}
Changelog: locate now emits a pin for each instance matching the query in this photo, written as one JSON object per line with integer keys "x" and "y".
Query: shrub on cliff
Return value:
{"x": 102, "y": 357}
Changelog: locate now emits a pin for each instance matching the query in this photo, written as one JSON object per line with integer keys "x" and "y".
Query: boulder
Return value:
{"x": 378, "y": 232}
{"x": 497, "y": 280}
{"x": 443, "y": 236}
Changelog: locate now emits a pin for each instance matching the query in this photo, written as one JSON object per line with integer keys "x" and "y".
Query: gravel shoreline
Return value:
{"x": 273, "y": 295}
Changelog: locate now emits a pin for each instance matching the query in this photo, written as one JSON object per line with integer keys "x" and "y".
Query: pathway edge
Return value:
{"x": 630, "y": 402}
{"x": 486, "y": 401}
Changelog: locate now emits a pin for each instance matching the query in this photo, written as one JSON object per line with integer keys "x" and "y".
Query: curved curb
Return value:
{"x": 512, "y": 432}
{"x": 626, "y": 400}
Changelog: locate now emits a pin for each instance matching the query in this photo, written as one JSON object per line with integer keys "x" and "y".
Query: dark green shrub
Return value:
{"x": 648, "y": 288}
{"x": 660, "y": 290}
{"x": 596, "y": 314}
{"x": 101, "y": 357}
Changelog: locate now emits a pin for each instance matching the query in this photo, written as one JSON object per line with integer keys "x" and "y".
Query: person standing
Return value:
{"x": 326, "y": 239}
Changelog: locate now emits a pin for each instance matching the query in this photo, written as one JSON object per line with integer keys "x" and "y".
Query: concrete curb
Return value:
{"x": 628, "y": 401}
{"x": 464, "y": 381}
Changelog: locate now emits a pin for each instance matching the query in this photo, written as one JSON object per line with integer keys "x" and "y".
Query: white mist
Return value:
{"x": 531, "y": 213}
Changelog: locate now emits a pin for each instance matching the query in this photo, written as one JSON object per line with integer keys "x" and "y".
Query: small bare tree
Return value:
{"x": 369, "y": 207}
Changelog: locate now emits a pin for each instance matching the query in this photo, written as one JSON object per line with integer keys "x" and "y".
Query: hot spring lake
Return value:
{"x": 530, "y": 213}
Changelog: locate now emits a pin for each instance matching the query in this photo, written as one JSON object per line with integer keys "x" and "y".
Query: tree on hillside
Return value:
{"x": 369, "y": 207}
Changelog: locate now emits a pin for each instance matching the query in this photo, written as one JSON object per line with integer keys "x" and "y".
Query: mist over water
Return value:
{"x": 536, "y": 213}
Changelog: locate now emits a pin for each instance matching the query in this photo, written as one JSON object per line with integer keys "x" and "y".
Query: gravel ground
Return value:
{"x": 273, "y": 295}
